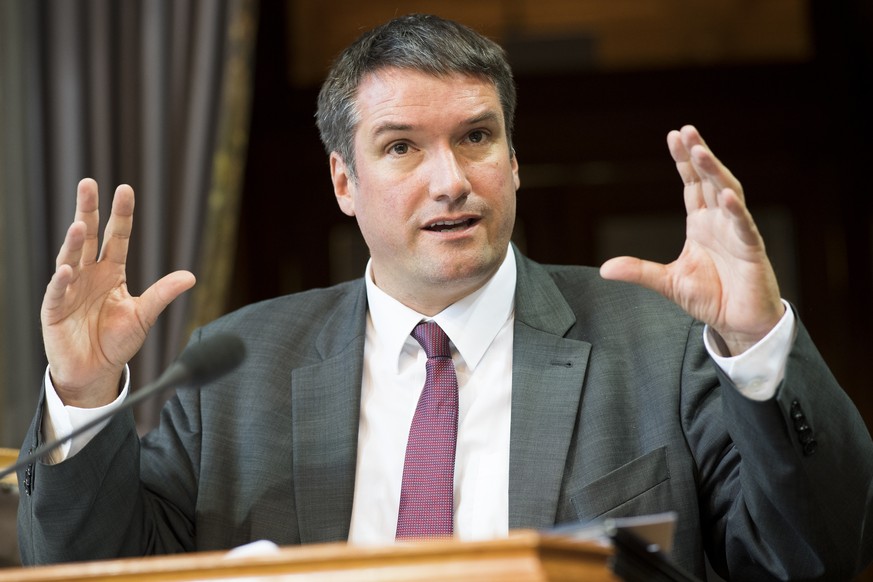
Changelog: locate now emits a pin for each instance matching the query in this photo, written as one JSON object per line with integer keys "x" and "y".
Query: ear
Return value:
{"x": 514, "y": 163}
{"x": 343, "y": 184}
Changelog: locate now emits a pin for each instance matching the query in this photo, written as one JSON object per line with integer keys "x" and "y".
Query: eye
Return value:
{"x": 399, "y": 149}
{"x": 476, "y": 136}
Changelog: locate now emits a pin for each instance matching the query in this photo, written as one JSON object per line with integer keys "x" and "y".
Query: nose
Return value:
{"x": 448, "y": 175}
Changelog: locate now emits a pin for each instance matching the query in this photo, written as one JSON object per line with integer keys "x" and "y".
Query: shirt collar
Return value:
{"x": 471, "y": 323}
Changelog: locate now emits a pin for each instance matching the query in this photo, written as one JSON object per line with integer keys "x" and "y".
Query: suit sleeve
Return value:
{"x": 96, "y": 506}
{"x": 785, "y": 484}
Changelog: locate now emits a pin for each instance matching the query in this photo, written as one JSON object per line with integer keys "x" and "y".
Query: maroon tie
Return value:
{"x": 426, "y": 494}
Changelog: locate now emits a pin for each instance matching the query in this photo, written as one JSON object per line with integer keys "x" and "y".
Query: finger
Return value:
{"x": 682, "y": 156}
{"x": 72, "y": 249}
{"x": 694, "y": 194}
{"x": 637, "y": 271}
{"x": 116, "y": 238}
{"x": 713, "y": 171}
{"x": 691, "y": 136}
{"x": 714, "y": 175}
{"x": 88, "y": 212}
{"x": 67, "y": 269}
{"x": 55, "y": 293}
{"x": 744, "y": 223}
{"x": 701, "y": 190}
{"x": 163, "y": 292}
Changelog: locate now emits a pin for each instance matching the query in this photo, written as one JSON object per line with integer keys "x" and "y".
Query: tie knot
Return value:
{"x": 433, "y": 339}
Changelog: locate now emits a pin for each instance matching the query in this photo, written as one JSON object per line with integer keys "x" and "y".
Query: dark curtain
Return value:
{"x": 153, "y": 93}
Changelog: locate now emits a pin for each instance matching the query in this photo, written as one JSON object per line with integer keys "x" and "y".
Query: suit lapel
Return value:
{"x": 548, "y": 371}
{"x": 325, "y": 399}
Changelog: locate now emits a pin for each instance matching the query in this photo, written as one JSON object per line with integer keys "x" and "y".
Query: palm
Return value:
{"x": 87, "y": 342}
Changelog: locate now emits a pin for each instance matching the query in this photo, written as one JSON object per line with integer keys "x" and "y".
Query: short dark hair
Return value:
{"x": 419, "y": 42}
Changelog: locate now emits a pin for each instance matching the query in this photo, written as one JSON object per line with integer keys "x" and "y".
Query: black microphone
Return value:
{"x": 201, "y": 363}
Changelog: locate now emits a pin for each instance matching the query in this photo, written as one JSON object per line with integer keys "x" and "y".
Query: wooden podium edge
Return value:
{"x": 524, "y": 556}
{"x": 8, "y": 457}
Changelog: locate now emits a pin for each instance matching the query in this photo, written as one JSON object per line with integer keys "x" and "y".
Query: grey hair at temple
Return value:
{"x": 418, "y": 42}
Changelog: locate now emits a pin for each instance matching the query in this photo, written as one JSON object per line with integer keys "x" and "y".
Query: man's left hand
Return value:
{"x": 723, "y": 276}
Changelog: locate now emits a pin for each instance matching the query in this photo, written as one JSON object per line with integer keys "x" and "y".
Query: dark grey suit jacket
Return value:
{"x": 616, "y": 410}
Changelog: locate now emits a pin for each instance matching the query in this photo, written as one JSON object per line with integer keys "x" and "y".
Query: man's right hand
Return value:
{"x": 91, "y": 325}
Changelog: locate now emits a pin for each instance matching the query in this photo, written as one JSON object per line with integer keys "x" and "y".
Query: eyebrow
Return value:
{"x": 387, "y": 127}
{"x": 489, "y": 116}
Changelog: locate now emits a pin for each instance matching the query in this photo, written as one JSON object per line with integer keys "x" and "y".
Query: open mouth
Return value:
{"x": 451, "y": 225}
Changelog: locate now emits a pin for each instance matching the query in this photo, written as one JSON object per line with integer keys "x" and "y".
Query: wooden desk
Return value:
{"x": 8, "y": 509}
{"x": 7, "y": 458}
{"x": 525, "y": 556}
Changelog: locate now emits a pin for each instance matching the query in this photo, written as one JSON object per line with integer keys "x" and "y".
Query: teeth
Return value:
{"x": 449, "y": 225}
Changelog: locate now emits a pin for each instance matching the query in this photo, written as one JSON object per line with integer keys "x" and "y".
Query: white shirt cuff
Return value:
{"x": 60, "y": 419}
{"x": 758, "y": 371}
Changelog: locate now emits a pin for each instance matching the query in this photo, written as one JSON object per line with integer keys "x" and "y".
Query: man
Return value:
{"x": 579, "y": 396}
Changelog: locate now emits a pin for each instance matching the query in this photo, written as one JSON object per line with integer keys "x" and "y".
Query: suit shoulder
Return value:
{"x": 575, "y": 279}
{"x": 294, "y": 312}
{"x": 592, "y": 297}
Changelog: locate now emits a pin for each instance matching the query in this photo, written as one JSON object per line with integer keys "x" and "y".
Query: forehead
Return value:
{"x": 401, "y": 97}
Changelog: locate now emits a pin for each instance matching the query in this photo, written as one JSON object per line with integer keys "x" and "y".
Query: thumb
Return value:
{"x": 637, "y": 271}
{"x": 163, "y": 292}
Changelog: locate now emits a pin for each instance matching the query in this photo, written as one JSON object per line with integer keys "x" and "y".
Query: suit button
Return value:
{"x": 804, "y": 431}
{"x": 28, "y": 476}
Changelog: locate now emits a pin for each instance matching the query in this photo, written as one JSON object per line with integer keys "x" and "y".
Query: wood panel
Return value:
{"x": 634, "y": 33}
{"x": 318, "y": 31}
{"x": 624, "y": 33}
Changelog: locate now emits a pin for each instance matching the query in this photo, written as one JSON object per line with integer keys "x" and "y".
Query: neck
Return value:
{"x": 429, "y": 303}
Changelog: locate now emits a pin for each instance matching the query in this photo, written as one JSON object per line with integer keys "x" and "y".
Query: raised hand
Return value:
{"x": 723, "y": 276}
{"x": 91, "y": 324}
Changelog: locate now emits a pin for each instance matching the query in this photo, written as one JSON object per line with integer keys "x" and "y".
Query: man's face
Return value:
{"x": 435, "y": 190}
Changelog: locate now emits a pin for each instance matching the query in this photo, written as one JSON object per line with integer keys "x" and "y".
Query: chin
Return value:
{"x": 465, "y": 272}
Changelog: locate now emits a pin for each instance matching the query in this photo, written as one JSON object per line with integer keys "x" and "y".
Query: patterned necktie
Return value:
{"x": 426, "y": 494}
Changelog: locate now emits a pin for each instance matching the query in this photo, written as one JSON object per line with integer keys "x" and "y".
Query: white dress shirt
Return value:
{"x": 480, "y": 331}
